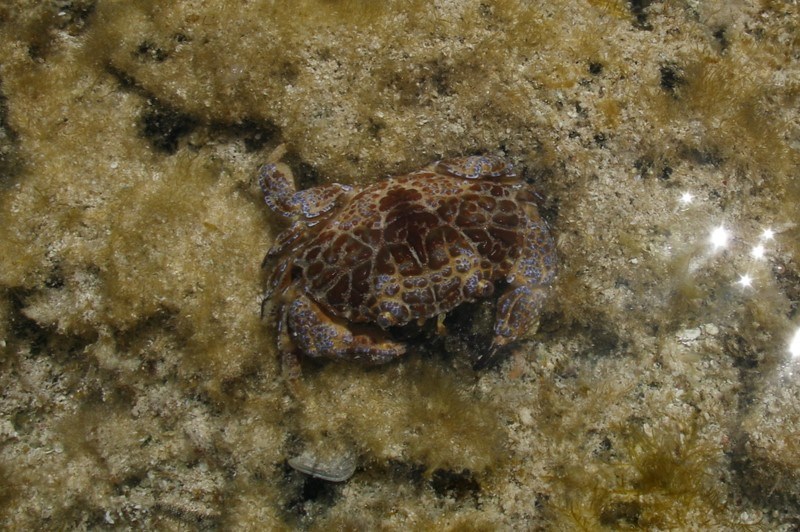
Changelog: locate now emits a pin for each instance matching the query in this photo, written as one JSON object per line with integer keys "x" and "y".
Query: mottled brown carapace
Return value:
{"x": 407, "y": 248}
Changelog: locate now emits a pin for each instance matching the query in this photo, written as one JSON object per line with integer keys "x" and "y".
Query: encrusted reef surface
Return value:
{"x": 139, "y": 387}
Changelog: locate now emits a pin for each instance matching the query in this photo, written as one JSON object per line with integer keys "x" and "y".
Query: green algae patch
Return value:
{"x": 115, "y": 242}
{"x": 429, "y": 420}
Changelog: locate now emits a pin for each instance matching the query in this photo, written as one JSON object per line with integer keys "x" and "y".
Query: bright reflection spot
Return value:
{"x": 768, "y": 234}
{"x": 758, "y": 252}
{"x": 746, "y": 281}
{"x": 794, "y": 345}
{"x": 719, "y": 237}
{"x": 687, "y": 198}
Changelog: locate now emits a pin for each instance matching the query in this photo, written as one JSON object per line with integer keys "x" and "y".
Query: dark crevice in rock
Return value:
{"x": 165, "y": 125}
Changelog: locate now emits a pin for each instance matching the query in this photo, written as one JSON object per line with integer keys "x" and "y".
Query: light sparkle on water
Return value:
{"x": 794, "y": 345}
{"x": 758, "y": 252}
{"x": 720, "y": 237}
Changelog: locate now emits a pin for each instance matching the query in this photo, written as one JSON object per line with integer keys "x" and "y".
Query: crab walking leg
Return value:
{"x": 290, "y": 363}
{"x": 317, "y": 335}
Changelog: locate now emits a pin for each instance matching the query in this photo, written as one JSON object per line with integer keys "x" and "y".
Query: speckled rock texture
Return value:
{"x": 139, "y": 387}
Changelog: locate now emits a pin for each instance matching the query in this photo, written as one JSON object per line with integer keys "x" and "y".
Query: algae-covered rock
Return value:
{"x": 141, "y": 388}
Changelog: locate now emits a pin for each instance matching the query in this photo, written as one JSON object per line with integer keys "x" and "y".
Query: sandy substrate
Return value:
{"x": 140, "y": 388}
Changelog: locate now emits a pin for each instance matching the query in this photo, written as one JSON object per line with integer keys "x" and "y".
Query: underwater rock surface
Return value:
{"x": 140, "y": 388}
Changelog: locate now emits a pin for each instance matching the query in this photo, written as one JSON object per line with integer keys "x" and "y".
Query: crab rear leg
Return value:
{"x": 318, "y": 335}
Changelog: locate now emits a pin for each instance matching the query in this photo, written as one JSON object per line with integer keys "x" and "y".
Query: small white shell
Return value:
{"x": 333, "y": 469}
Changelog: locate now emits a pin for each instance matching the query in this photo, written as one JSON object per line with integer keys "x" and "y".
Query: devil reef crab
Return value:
{"x": 356, "y": 262}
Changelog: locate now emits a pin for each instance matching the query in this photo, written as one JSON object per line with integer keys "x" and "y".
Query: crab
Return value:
{"x": 357, "y": 262}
